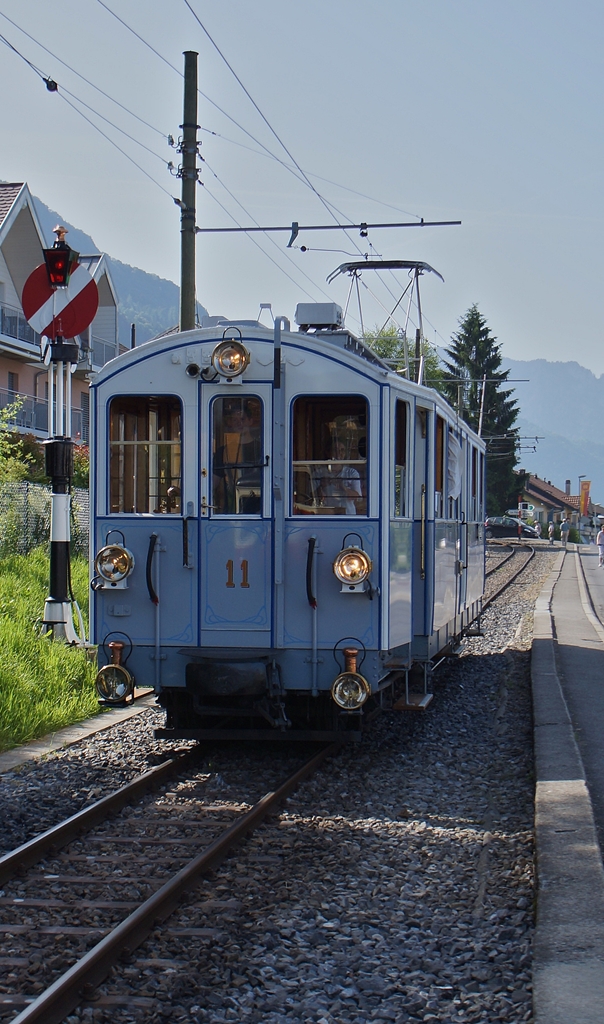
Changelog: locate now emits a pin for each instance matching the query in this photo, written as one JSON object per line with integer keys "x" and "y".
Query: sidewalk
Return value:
{"x": 567, "y": 661}
{"x": 72, "y": 733}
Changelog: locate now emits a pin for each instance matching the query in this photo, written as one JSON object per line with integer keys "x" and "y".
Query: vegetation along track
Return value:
{"x": 106, "y": 862}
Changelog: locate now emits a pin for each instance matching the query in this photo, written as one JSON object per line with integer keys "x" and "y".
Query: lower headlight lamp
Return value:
{"x": 350, "y": 690}
{"x": 114, "y": 684}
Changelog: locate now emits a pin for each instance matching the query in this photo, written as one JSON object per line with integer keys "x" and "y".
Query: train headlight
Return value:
{"x": 114, "y": 563}
{"x": 350, "y": 691}
{"x": 352, "y": 566}
{"x": 230, "y": 358}
{"x": 114, "y": 684}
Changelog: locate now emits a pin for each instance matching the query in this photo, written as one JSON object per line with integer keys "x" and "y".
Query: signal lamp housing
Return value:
{"x": 60, "y": 262}
{"x": 230, "y": 358}
{"x": 352, "y": 568}
{"x": 113, "y": 564}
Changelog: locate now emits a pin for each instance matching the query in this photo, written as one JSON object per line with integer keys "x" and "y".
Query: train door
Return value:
{"x": 235, "y": 520}
{"x": 423, "y": 527}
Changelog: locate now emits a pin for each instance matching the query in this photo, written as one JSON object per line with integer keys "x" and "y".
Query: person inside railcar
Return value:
{"x": 330, "y": 455}
{"x": 237, "y": 462}
{"x": 340, "y": 482}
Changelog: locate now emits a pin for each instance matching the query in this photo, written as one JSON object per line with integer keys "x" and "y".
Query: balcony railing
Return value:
{"x": 14, "y": 325}
{"x": 33, "y": 415}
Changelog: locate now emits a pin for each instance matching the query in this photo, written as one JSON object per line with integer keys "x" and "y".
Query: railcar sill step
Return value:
{"x": 417, "y": 702}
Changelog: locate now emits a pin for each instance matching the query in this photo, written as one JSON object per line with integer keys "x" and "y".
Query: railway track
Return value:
{"x": 80, "y": 884}
{"x": 493, "y": 551}
{"x": 511, "y": 577}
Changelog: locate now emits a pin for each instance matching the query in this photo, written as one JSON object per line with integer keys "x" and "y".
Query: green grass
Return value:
{"x": 44, "y": 684}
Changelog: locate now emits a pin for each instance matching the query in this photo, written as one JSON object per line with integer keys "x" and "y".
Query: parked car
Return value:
{"x": 524, "y": 507}
{"x": 505, "y": 526}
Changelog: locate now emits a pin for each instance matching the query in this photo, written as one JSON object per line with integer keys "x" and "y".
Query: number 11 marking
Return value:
{"x": 244, "y": 574}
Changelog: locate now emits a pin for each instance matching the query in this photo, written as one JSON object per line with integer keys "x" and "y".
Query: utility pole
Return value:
{"x": 188, "y": 173}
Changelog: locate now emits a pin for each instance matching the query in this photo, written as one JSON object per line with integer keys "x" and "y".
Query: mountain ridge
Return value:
{"x": 149, "y": 301}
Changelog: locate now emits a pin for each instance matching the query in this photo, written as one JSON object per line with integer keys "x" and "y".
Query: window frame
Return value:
{"x": 326, "y": 397}
{"x": 140, "y": 397}
{"x": 262, "y": 468}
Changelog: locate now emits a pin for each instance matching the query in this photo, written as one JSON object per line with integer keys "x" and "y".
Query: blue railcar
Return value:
{"x": 284, "y": 529}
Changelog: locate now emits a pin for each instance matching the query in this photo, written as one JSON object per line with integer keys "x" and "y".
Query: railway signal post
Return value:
{"x": 60, "y": 300}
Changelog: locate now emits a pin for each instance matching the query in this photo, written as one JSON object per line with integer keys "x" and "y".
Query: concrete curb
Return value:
{"x": 568, "y": 970}
{"x": 72, "y": 734}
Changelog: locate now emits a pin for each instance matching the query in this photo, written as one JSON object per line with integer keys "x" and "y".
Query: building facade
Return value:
{"x": 22, "y": 373}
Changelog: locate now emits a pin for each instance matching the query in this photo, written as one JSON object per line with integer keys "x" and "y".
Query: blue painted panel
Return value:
{"x": 237, "y": 607}
{"x": 445, "y": 556}
{"x": 475, "y": 562}
{"x": 400, "y": 565}
{"x": 338, "y": 615}
{"x": 131, "y": 610}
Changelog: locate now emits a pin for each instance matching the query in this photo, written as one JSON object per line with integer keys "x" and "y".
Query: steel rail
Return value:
{"x": 503, "y": 561}
{"x": 54, "y": 838}
{"x": 79, "y": 982}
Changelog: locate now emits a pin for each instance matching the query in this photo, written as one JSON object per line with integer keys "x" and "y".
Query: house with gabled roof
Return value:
{"x": 551, "y": 503}
{"x": 22, "y": 374}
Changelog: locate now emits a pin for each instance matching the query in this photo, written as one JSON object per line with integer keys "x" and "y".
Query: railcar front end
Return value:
{"x": 282, "y": 527}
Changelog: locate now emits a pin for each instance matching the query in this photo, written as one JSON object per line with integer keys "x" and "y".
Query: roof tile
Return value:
{"x": 8, "y": 193}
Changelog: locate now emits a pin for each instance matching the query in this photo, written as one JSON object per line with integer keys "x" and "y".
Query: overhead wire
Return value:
{"x": 301, "y": 175}
{"x": 267, "y": 235}
{"x": 255, "y": 241}
{"x": 79, "y": 75}
{"x": 115, "y": 145}
{"x": 327, "y": 205}
{"x": 330, "y": 207}
{"x": 50, "y": 82}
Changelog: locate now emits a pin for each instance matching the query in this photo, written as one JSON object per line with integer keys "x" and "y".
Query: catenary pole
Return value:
{"x": 188, "y": 174}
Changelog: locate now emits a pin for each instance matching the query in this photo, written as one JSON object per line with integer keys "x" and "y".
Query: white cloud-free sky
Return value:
{"x": 486, "y": 111}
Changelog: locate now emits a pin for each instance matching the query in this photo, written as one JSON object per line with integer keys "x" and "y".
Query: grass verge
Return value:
{"x": 44, "y": 685}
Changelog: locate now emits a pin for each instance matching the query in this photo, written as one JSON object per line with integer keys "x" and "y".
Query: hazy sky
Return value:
{"x": 479, "y": 110}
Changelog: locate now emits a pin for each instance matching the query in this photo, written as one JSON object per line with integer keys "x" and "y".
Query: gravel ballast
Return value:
{"x": 396, "y": 885}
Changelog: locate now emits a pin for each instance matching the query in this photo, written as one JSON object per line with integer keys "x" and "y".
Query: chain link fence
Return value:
{"x": 25, "y": 518}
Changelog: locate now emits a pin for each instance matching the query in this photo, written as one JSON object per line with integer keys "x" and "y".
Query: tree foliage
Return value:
{"x": 15, "y": 461}
{"x": 474, "y": 353}
{"x": 388, "y": 343}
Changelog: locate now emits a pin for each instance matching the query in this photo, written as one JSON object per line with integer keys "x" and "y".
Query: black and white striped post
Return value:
{"x": 62, "y": 356}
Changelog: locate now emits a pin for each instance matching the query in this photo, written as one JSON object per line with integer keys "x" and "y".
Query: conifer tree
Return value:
{"x": 474, "y": 352}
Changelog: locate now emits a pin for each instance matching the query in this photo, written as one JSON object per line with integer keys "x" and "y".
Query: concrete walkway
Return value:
{"x": 567, "y": 675}
{"x": 72, "y": 734}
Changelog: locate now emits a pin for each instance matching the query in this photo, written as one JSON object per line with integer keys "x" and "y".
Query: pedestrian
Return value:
{"x": 550, "y": 532}
{"x": 600, "y": 543}
{"x": 538, "y": 529}
{"x": 564, "y": 530}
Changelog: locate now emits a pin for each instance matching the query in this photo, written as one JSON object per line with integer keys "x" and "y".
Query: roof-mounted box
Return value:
{"x": 321, "y": 316}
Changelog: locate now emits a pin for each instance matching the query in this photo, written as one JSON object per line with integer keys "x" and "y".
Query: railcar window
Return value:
{"x": 237, "y": 457}
{"x": 474, "y": 509}
{"x": 400, "y": 458}
{"x": 439, "y": 475}
{"x": 330, "y": 441}
{"x": 145, "y": 454}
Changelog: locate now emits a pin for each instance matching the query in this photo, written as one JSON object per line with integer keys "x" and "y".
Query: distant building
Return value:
{"x": 551, "y": 503}
{"x": 21, "y": 370}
